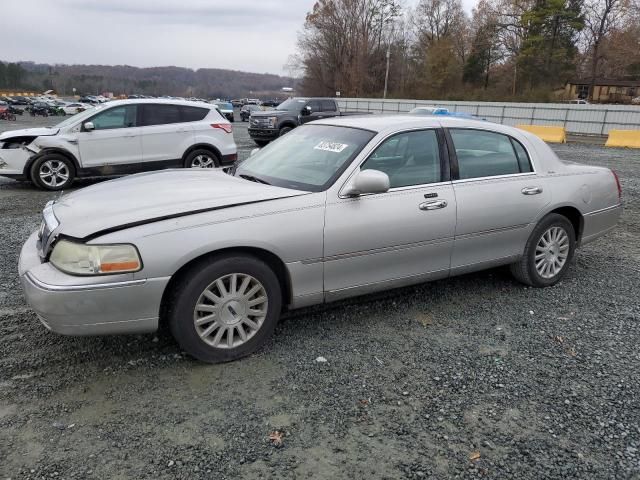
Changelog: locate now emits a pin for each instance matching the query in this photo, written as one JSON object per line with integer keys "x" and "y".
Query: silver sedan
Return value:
{"x": 336, "y": 208}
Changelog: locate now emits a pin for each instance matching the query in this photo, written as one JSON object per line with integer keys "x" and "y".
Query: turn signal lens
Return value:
{"x": 223, "y": 126}
{"x": 80, "y": 259}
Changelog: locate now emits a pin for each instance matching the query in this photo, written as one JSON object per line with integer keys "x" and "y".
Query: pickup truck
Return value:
{"x": 268, "y": 125}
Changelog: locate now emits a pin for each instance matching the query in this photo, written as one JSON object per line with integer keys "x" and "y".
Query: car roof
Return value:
{"x": 165, "y": 101}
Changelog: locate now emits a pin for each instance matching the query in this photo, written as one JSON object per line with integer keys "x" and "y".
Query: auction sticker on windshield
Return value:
{"x": 331, "y": 147}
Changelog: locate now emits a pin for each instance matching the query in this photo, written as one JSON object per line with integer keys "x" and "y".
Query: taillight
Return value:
{"x": 615, "y": 175}
{"x": 223, "y": 126}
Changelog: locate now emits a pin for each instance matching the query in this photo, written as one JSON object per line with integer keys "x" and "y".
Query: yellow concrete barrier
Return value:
{"x": 623, "y": 138}
{"x": 547, "y": 133}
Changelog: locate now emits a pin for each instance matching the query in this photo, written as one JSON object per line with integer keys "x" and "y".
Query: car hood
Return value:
{"x": 270, "y": 113}
{"x": 29, "y": 132}
{"x": 149, "y": 197}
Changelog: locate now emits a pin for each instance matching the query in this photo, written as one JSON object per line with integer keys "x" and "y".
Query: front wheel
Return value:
{"x": 225, "y": 308}
{"x": 285, "y": 130}
{"x": 548, "y": 252}
{"x": 53, "y": 172}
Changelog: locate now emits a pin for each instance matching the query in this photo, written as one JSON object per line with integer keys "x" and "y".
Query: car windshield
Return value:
{"x": 308, "y": 158}
{"x": 78, "y": 117}
{"x": 292, "y": 105}
{"x": 224, "y": 106}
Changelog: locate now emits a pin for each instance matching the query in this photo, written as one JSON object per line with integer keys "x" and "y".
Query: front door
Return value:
{"x": 114, "y": 140}
{"x": 498, "y": 196}
{"x": 395, "y": 238}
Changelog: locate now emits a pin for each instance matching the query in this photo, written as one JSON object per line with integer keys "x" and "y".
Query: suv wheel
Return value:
{"x": 202, "y": 158}
{"x": 285, "y": 130}
{"x": 53, "y": 172}
{"x": 548, "y": 252}
{"x": 224, "y": 309}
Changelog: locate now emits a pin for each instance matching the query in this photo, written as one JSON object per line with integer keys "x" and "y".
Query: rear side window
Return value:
{"x": 328, "y": 105}
{"x": 160, "y": 114}
{"x": 487, "y": 154}
{"x": 193, "y": 114}
{"x": 523, "y": 158}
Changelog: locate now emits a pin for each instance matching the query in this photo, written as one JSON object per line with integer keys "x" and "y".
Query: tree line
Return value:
{"x": 506, "y": 49}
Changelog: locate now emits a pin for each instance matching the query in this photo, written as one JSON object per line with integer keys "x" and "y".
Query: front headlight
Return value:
{"x": 81, "y": 259}
{"x": 273, "y": 122}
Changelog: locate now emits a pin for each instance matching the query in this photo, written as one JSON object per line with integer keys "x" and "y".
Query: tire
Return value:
{"x": 261, "y": 143}
{"x": 58, "y": 166}
{"x": 199, "y": 341}
{"x": 285, "y": 130}
{"x": 202, "y": 158}
{"x": 558, "y": 232}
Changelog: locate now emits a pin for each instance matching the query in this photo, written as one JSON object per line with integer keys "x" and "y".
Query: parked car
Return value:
{"x": 73, "y": 108}
{"x": 270, "y": 103}
{"x": 271, "y": 124}
{"x": 39, "y": 108}
{"x": 20, "y": 100}
{"x": 337, "y": 208}
{"x": 251, "y": 101}
{"x": 226, "y": 109}
{"x": 247, "y": 110}
{"x": 429, "y": 110}
{"x": 578, "y": 101}
{"x": 236, "y": 103}
{"x": 119, "y": 137}
{"x": 635, "y": 101}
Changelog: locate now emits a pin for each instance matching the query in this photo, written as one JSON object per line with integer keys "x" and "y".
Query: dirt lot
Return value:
{"x": 470, "y": 377}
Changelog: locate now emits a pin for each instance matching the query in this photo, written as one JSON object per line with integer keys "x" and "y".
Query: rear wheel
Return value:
{"x": 548, "y": 252}
{"x": 225, "y": 308}
{"x": 202, "y": 158}
{"x": 53, "y": 172}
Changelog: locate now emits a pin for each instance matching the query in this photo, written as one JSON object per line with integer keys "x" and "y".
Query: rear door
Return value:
{"x": 498, "y": 195}
{"x": 114, "y": 140}
{"x": 164, "y": 132}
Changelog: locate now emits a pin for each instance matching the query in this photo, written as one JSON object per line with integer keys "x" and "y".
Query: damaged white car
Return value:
{"x": 118, "y": 138}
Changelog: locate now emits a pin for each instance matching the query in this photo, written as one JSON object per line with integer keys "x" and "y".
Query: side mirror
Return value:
{"x": 306, "y": 110}
{"x": 367, "y": 181}
{"x": 88, "y": 126}
{"x": 255, "y": 150}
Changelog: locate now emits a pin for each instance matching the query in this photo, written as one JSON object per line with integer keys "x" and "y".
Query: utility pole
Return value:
{"x": 386, "y": 75}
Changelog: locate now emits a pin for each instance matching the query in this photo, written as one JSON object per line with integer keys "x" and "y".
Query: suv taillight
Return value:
{"x": 223, "y": 126}
{"x": 615, "y": 175}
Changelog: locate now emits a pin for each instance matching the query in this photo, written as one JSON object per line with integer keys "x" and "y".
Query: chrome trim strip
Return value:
{"x": 606, "y": 209}
{"x": 426, "y": 276}
{"x": 493, "y": 177}
{"x": 493, "y": 230}
{"x": 78, "y": 288}
{"x": 375, "y": 251}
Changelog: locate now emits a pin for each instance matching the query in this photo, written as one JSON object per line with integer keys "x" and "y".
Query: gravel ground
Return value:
{"x": 471, "y": 377}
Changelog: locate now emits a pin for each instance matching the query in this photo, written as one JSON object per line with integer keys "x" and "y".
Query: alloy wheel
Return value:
{"x": 53, "y": 173}
{"x": 230, "y": 311}
{"x": 202, "y": 161}
{"x": 552, "y": 252}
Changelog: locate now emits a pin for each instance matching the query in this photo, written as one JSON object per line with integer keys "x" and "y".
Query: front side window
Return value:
{"x": 328, "y": 105}
{"x": 308, "y": 158}
{"x": 160, "y": 114}
{"x": 117, "y": 117}
{"x": 315, "y": 106}
{"x": 410, "y": 158}
{"x": 487, "y": 154}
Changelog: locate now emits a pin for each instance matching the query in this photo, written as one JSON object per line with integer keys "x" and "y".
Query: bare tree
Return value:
{"x": 600, "y": 18}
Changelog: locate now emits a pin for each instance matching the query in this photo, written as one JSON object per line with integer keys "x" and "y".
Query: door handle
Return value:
{"x": 531, "y": 190}
{"x": 433, "y": 205}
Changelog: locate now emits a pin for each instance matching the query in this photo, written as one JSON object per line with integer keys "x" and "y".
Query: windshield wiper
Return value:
{"x": 251, "y": 178}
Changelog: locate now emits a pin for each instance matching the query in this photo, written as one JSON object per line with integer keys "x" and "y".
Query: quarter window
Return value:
{"x": 117, "y": 117}
{"x": 411, "y": 158}
{"x": 193, "y": 114}
{"x": 487, "y": 154}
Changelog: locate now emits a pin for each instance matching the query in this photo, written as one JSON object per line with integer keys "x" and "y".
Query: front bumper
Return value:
{"x": 264, "y": 133}
{"x": 13, "y": 162}
{"x": 104, "y": 305}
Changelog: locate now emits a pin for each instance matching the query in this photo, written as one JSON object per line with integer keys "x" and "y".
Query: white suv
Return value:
{"x": 116, "y": 138}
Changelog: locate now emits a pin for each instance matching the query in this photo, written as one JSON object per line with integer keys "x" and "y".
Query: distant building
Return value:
{"x": 604, "y": 91}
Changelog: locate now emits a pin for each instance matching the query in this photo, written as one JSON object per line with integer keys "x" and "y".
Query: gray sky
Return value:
{"x": 248, "y": 35}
